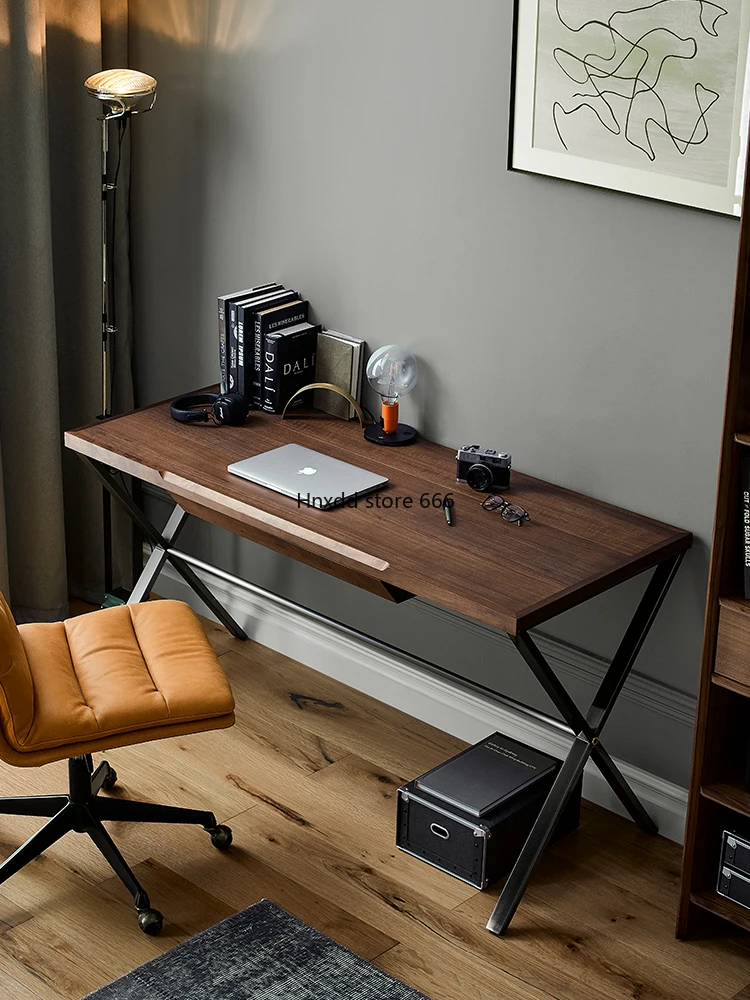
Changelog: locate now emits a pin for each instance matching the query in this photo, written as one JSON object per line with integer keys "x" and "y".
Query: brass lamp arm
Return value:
{"x": 332, "y": 388}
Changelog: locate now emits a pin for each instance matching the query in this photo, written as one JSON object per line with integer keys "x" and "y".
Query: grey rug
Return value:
{"x": 262, "y": 953}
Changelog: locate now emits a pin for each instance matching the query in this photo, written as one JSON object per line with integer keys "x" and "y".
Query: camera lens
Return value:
{"x": 479, "y": 477}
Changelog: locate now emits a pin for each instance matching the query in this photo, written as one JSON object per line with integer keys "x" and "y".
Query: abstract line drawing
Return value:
{"x": 646, "y": 96}
{"x": 632, "y": 71}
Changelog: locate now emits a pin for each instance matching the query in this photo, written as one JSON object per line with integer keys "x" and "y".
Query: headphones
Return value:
{"x": 228, "y": 408}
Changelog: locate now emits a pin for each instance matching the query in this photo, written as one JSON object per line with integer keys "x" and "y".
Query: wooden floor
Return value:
{"x": 307, "y": 778}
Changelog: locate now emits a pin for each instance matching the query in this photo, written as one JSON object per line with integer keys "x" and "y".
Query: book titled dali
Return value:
{"x": 288, "y": 364}
{"x": 268, "y": 320}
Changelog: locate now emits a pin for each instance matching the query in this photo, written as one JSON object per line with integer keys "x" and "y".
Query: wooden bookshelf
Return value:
{"x": 730, "y": 685}
{"x": 731, "y": 794}
{"x": 718, "y": 798}
{"x": 712, "y": 902}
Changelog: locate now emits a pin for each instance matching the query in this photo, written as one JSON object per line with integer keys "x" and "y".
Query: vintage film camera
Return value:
{"x": 483, "y": 469}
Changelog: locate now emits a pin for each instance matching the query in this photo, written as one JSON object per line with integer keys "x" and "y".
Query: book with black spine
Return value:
{"x": 745, "y": 507}
{"x": 267, "y": 321}
{"x": 241, "y": 323}
{"x": 479, "y": 779}
{"x": 288, "y": 364}
{"x": 223, "y": 349}
{"x": 228, "y": 350}
{"x": 236, "y": 333}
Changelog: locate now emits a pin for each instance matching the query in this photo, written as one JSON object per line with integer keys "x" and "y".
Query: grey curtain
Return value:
{"x": 50, "y": 297}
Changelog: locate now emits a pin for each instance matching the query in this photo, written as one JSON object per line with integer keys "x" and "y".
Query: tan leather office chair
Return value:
{"x": 108, "y": 679}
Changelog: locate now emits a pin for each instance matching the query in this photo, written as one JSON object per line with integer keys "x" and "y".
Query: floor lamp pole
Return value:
{"x": 106, "y": 499}
{"x": 123, "y": 92}
{"x": 107, "y": 329}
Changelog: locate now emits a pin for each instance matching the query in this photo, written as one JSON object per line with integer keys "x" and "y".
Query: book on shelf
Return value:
{"x": 227, "y": 382}
{"x": 745, "y": 507}
{"x": 241, "y": 324}
{"x": 288, "y": 364}
{"x": 339, "y": 361}
{"x": 268, "y": 320}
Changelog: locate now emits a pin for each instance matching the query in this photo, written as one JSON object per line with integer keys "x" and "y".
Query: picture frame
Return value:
{"x": 649, "y": 98}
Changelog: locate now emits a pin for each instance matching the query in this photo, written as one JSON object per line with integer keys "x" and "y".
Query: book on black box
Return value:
{"x": 482, "y": 777}
{"x": 288, "y": 364}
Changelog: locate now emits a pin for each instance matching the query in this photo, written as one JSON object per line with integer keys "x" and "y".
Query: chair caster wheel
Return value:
{"x": 150, "y": 921}
{"x": 221, "y": 837}
{"x": 110, "y": 781}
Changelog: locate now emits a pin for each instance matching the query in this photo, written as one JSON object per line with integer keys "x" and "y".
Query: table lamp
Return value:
{"x": 392, "y": 372}
{"x": 123, "y": 92}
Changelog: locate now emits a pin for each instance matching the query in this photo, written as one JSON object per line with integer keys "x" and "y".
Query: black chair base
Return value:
{"x": 82, "y": 811}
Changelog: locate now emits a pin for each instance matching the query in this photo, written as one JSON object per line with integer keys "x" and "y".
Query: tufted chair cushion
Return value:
{"x": 109, "y": 678}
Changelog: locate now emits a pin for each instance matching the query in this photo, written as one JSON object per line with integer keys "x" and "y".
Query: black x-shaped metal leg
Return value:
{"x": 587, "y": 729}
{"x": 162, "y": 550}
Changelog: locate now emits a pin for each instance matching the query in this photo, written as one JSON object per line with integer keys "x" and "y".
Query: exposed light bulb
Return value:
{"x": 392, "y": 372}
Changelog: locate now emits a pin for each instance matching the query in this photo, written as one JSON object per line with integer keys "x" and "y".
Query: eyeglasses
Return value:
{"x": 509, "y": 512}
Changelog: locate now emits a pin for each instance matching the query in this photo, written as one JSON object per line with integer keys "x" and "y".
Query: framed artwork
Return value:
{"x": 645, "y": 96}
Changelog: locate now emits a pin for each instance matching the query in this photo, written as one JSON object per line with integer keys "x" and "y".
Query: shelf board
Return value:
{"x": 731, "y": 685}
{"x": 740, "y": 605}
{"x": 720, "y": 907}
{"x": 729, "y": 794}
{"x": 742, "y": 437}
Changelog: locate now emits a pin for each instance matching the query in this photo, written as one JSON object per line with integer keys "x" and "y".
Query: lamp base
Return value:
{"x": 404, "y": 434}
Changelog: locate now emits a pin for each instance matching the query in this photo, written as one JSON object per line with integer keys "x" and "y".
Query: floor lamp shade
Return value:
{"x": 122, "y": 90}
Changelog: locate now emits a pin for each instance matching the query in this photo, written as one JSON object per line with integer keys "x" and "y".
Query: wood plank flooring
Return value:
{"x": 307, "y": 779}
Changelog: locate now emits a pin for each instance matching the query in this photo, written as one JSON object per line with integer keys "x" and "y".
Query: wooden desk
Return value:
{"x": 509, "y": 577}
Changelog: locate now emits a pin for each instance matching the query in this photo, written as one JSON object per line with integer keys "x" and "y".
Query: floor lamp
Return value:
{"x": 123, "y": 92}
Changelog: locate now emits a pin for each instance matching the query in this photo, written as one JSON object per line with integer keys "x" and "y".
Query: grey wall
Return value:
{"x": 357, "y": 152}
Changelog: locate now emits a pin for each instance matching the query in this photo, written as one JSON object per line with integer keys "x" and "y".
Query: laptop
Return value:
{"x": 310, "y": 477}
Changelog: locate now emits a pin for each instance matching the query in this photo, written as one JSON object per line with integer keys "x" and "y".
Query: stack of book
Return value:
{"x": 268, "y": 350}
{"x": 267, "y": 347}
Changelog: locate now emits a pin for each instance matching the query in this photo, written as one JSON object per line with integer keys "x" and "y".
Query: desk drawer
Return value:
{"x": 733, "y": 641}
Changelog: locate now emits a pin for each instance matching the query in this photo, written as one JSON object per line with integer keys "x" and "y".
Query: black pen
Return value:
{"x": 448, "y": 508}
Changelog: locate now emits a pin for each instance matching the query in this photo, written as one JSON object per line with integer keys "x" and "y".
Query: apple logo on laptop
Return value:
{"x": 307, "y": 471}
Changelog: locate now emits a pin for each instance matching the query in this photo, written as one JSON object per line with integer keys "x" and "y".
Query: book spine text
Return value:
{"x": 232, "y": 380}
{"x": 223, "y": 370}
{"x": 745, "y": 492}
{"x": 270, "y": 374}
{"x": 258, "y": 362}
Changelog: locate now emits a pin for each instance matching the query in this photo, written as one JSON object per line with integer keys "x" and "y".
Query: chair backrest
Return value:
{"x": 16, "y": 685}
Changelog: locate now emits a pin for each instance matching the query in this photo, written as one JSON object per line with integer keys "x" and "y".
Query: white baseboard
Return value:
{"x": 398, "y": 682}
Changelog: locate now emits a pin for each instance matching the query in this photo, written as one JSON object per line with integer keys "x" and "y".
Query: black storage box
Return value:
{"x": 735, "y": 886}
{"x": 470, "y": 816}
{"x": 735, "y": 852}
{"x": 734, "y": 868}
